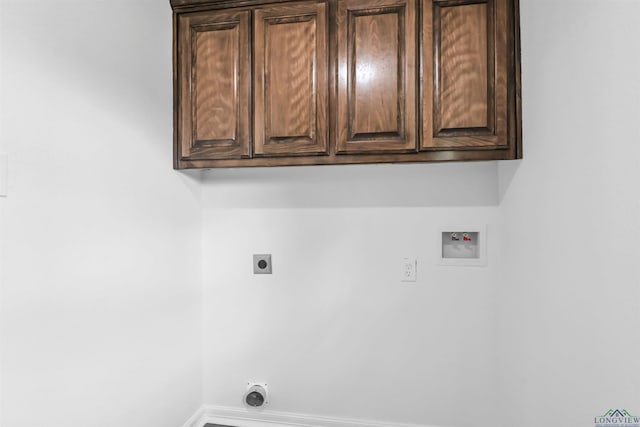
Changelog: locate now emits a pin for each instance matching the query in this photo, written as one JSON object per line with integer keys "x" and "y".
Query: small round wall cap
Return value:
{"x": 256, "y": 396}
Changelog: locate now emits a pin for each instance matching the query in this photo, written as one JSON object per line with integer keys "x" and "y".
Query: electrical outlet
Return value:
{"x": 408, "y": 270}
{"x": 262, "y": 264}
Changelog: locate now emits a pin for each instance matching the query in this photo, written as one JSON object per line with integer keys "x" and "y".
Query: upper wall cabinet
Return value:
{"x": 268, "y": 83}
{"x": 376, "y": 76}
{"x": 465, "y": 54}
{"x": 290, "y": 80}
{"x": 213, "y": 109}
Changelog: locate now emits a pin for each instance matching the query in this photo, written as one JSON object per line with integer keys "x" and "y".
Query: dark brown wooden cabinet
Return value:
{"x": 290, "y": 80}
{"x": 376, "y": 76}
{"x": 214, "y": 68}
{"x": 465, "y": 54}
{"x": 277, "y": 82}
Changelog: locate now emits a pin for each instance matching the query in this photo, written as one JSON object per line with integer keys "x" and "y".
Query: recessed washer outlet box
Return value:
{"x": 262, "y": 264}
{"x": 462, "y": 245}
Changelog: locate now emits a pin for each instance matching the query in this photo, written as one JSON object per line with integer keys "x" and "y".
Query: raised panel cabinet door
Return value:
{"x": 290, "y": 80}
{"x": 376, "y": 76}
{"x": 464, "y": 91}
{"x": 214, "y": 77}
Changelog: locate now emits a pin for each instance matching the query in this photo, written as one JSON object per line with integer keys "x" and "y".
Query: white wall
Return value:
{"x": 100, "y": 245}
{"x": 100, "y": 237}
{"x": 545, "y": 336}
{"x": 2, "y": 221}
{"x": 570, "y": 218}
{"x": 333, "y": 331}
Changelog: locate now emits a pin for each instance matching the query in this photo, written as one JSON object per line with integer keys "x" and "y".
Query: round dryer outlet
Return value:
{"x": 256, "y": 396}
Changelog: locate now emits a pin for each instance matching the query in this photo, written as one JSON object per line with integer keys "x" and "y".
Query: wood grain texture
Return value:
{"x": 290, "y": 80}
{"x": 185, "y": 6}
{"x": 504, "y": 141}
{"x": 464, "y": 67}
{"x": 176, "y": 92}
{"x": 376, "y": 76}
{"x": 215, "y": 115}
{"x": 514, "y": 90}
{"x": 501, "y": 49}
{"x": 426, "y": 76}
{"x": 213, "y": 62}
{"x": 290, "y": 84}
{"x": 459, "y": 155}
{"x": 465, "y": 53}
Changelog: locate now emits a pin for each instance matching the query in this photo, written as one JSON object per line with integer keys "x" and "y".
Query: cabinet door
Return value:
{"x": 464, "y": 92}
{"x": 376, "y": 76}
{"x": 290, "y": 80}
{"x": 213, "y": 57}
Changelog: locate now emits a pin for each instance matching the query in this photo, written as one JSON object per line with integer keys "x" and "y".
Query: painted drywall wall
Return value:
{"x": 570, "y": 219}
{"x": 566, "y": 300}
{"x": 333, "y": 331}
{"x": 97, "y": 319}
{"x": 2, "y": 221}
{"x": 100, "y": 237}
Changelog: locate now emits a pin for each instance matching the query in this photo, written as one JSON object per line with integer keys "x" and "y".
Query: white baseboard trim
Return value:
{"x": 240, "y": 417}
{"x": 197, "y": 419}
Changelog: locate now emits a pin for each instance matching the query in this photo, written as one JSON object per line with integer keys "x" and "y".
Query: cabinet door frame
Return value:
{"x": 402, "y": 139}
{"x": 237, "y": 143}
{"x": 438, "y": 107}
{"x": 314, "y": 140}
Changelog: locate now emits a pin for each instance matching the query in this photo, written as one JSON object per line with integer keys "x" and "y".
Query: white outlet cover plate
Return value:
{"x": 479, "y": 258}
{"x": 408, "y": 270}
